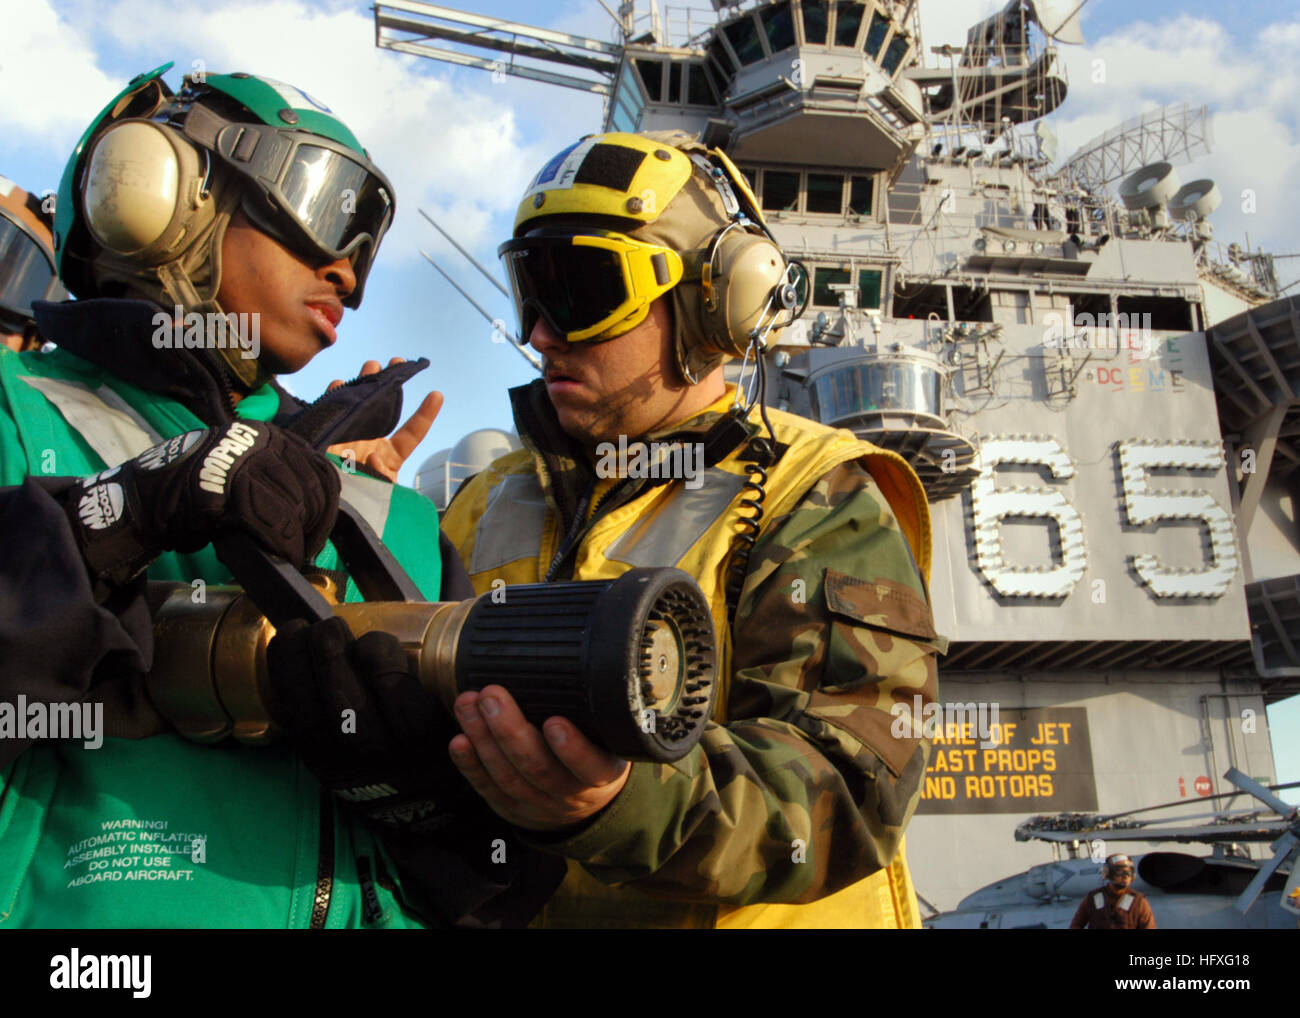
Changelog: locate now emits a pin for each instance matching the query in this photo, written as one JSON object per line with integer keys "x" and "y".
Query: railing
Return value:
{"x": 674, "y": 25}
{"x": 1248, "y": 269}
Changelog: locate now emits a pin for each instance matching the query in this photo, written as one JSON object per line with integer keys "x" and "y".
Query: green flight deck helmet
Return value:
{"x": 145, "y": 200}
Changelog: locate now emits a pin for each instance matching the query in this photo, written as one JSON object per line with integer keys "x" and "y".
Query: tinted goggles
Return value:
{"x": 328, "y": 201}
{"x": 26, "y": 269}
{"x": 586, "y": 286}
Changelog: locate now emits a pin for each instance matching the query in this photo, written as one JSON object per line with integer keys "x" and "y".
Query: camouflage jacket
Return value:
{"x": 809, "y": 784}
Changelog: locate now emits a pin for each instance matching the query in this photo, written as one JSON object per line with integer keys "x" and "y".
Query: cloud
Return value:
{"x": 50, "y": 77}
{"x": 449, "y": 141}
{"x": 1248, "y": 90}
{"x": 1244, "y": 78}
{"x": 944, "y": 22}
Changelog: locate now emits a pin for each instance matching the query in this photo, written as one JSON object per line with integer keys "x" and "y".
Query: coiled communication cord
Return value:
{"x": 759, "y": 454}
{"x": 753, "y": 493}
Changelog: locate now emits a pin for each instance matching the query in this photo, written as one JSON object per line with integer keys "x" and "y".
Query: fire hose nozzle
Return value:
{"x": 631, "y": 661}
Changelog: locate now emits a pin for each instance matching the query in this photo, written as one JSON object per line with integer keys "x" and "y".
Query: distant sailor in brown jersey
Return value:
{"x": 1115, "y": 906}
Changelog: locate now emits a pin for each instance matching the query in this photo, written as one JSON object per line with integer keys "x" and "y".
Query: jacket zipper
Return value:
{"x": 579, "y": 515}
{"x": 325, "y": 865}
{"x": 228, "y": 391}
{"x": 580, "y": 526}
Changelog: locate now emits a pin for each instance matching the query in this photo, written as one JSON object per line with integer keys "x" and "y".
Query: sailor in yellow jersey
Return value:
{"x": 639, "y": 263}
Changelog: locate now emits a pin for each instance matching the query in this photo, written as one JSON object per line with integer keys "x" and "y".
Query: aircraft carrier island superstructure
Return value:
{"x": 1100, "y": 399}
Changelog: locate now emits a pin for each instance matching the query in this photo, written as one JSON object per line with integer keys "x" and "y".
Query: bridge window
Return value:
{"x": 778, "y": 23}
{"x": 1170, "y": 313}
{"x": 652, "y": 73}
{"x": 1093, "y": 304}
{"x": 869, "y": 287}
{"x": 813, "y": 193}
{"x": 780, "y": 191}
{"x": 687, "y": 83}
{"x": 894, "y": 56}
{"x": 876, "y": 35}
{"x": 848, "y": 19}
{"x": 722, "y": 61}
{"x": 860, "y": 195}
{"x": 825, "y": 193}
{"x": 816, "y": 15}
{"x": 625, "y": 110}
{"x": 971, "y": 305}
{"x": 700, "y": 91}
{"x": 922, "y": 302}
{"x": 823, "y": 278}
{"x": 743, "y": 36}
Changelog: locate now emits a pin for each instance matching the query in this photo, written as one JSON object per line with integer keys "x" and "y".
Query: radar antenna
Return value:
{"x": 1175, "y": 134}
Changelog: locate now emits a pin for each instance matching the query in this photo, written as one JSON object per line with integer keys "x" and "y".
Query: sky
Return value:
{"x": 461, "y": 144}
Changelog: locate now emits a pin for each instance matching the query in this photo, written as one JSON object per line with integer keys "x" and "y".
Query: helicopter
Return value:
{"x": 1223, "y": 890}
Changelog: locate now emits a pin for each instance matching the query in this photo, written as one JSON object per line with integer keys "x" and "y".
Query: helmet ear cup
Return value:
{"x": 143, "y": 184}
{"x": 737, "y": 287}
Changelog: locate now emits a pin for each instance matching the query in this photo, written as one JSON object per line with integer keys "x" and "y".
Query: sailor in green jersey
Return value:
{"x": 123, "y": 456}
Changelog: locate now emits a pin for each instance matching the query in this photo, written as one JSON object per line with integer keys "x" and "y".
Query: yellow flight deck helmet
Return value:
{"x": 616, "y": 221}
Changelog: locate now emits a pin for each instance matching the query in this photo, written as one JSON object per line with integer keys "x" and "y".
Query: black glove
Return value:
{"x": 388, "y": 761}
{"x": 179, "y": 495}
{"x": 363, "y": 724}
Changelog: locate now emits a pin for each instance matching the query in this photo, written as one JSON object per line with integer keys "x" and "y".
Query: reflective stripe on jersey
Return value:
{"x": 511, "y": 525}
{"x": 683, "y": 520}
{"x": 100, "y": 416}
{"x": 369, "y": 496}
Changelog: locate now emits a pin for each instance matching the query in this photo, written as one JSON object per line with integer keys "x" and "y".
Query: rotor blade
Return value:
{"x": 491, "y": 278}
{"x": 1283, "y": 847}
{"x": 1184, "y": 802}
{"x": 1265, "y": 831}
{"x": 1260, "y": 792}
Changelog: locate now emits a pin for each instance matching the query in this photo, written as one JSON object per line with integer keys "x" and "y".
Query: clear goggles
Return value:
{"x": 587, "y": 286}
{"x": 322, "y": 199}
{"x": 26, "y": 269}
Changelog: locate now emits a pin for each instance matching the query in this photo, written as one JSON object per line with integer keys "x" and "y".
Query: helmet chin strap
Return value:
{"x": 247, "y": 372}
